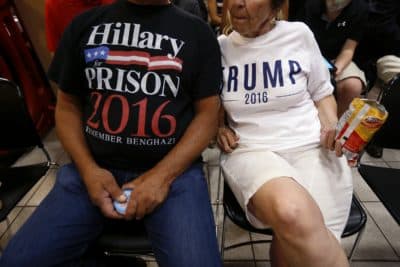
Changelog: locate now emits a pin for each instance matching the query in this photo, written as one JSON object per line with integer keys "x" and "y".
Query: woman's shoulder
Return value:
{"x": 296, "y": 26}
{"x": 294, "y": 29}
{"x": 222, "y": 40}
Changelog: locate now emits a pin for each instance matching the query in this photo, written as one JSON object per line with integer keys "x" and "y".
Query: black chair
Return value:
{"x": 18, "y": 132}
{"x": 385, "y": 182}
{"x": 355, "y": 223}
{"x": 127, "y": 239}
{"x": 124, "y": 238}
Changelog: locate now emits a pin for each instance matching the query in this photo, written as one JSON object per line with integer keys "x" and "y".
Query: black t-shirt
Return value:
{"x": 331, "y": 36}
{"x": 138, "y": 70}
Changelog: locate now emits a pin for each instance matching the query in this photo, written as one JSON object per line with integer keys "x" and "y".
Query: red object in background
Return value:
{"x": 56, "y": 23}
{"x": 19, "y": 63}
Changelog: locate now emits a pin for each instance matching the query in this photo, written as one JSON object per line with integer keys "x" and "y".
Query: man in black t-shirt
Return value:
{"x": 138, "y": 103}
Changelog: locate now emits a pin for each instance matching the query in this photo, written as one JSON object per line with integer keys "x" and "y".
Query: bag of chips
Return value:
{"x": 357, "y": 126}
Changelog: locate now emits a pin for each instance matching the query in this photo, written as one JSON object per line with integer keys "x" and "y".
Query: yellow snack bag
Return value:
{"x": 357, "y": 126}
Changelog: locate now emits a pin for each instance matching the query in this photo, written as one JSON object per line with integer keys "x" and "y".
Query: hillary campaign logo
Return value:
{"x": 134, "y": 57}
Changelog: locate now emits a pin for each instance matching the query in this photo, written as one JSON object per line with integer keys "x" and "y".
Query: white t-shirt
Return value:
{"x": 270, "y": 85}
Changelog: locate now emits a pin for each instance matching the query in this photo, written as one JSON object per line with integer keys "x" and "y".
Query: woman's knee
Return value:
{"x": 289, "y": 215}
{"x": 351, "y": 87}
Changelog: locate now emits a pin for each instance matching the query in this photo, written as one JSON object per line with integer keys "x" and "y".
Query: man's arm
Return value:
{"x": 345, "y": 56}
{"x": 100, "y": 183}
{"x": 151, "y": 188}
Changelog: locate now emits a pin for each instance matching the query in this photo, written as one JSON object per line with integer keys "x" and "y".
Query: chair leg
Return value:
{"x": 222, "y": 245}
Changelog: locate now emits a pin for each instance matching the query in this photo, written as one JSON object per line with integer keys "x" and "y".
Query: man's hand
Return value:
{"x": 149, "y": 191}
{"x": 103, "y": 189}
{"x": 227, "y": 139}
{"x": 327, "y": 139}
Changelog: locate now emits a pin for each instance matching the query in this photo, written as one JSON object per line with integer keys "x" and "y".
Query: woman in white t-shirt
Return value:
{"x": 277, "y": 132}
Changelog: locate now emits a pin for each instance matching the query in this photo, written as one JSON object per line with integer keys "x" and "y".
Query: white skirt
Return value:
{"x": 326, "y": 177}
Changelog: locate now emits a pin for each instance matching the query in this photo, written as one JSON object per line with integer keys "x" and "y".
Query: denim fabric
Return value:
{"x": 66, "y": 223}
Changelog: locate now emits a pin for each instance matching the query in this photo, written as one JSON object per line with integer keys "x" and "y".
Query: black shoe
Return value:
{"x": 374, "y": 150}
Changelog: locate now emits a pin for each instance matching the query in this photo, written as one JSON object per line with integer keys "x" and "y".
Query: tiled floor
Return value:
{"x": 379, "y": 246}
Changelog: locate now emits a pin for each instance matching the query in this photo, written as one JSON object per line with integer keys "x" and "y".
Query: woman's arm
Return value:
{"x": 327, "y": 110}
{"x": 226, "y": 137}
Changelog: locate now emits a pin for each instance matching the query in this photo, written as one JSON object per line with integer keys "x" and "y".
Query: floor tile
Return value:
{"x": 374, "y": 264}
{"x": 386, "y": 223}
{"x": 362, "y": 189}
{"x": 367, "y": 158}
{"x": 373, "y": 244}
{"x": 235, "y": 235}
{"x": 17, "y": 223}
{"x": 261, "y": 251}
{"x": 10, "y": 218}
{"x": 391, "y": 154}
{"x": 44, "y": 188}
{"x": 348, "y": 243}
{"x": 31, "y": 157}
{"x": 263, "y": 264}
{"x": 393, "y": 164}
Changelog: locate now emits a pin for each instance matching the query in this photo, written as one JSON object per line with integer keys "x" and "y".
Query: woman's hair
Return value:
{"x": 275, "y": 5}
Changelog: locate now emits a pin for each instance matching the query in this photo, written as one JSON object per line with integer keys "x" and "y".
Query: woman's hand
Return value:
{"x": 227, "y": 139}
{"x": 327, "y": 139}
{"x": 327, "y": 113}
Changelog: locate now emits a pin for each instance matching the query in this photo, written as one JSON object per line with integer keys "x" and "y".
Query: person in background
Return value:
{"x": 294, "y": 7}
{"x": 195, "y": 7}
{"x": 215, "y": 10}
{"x": 277, "y": 132}
{"x": 378, "y": 53}
{"x": 338, "y": 26}
{"x": 138, "y": 82}
{"x": 59, "y": 13}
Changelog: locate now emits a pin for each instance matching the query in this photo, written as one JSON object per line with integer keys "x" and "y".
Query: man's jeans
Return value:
{"x": 66, "y": 223}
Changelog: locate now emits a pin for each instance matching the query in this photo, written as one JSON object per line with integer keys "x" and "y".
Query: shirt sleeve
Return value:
{"x": 319, "y": 80}
{"x": 209, "y": 75}
{"x": 67, "y": 66}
